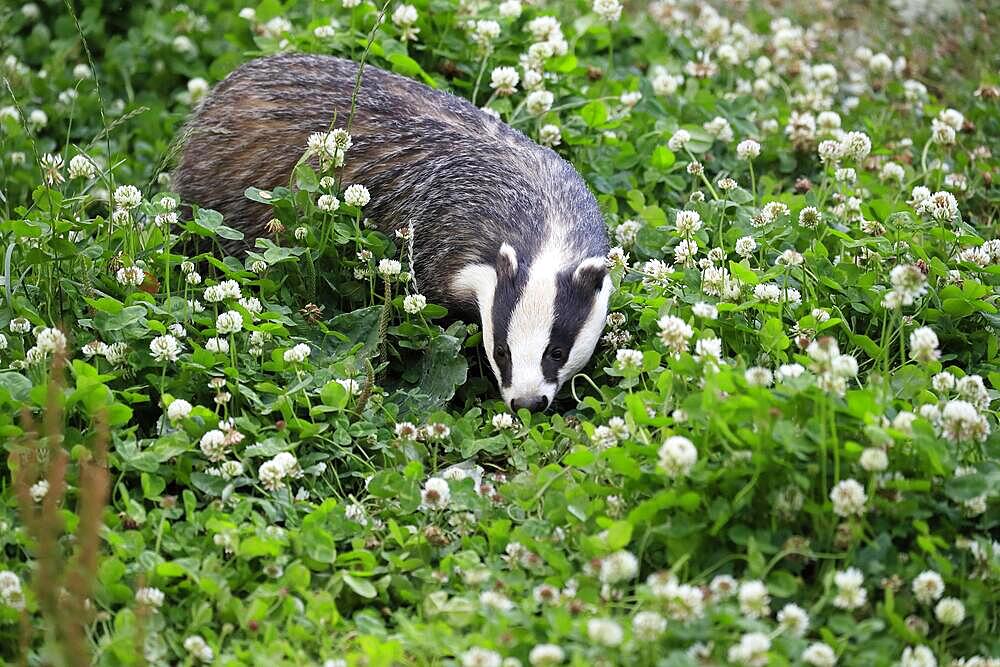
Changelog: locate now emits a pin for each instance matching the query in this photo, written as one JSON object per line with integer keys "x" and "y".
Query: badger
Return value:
{"x": 503, "y": 229}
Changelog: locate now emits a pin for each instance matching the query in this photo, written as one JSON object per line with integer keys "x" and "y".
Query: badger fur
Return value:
{"x": 503, "y": 228}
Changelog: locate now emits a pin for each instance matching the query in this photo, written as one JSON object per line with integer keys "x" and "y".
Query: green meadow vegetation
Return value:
{"x": 784, "y": 450}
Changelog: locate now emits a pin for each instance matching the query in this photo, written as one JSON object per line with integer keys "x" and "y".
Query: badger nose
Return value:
{"x": 531, "y": 403}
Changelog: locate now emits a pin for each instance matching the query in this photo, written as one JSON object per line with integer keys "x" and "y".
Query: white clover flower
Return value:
{"x": 850, "y": 591}
{"x": 389, "y": 268}
{"x": 950, "y": 611}
{"x": 81, "y": 166}
{"x": 149, "y": 597}
{"x": 539, "y": 102}
{"x": 165, "y": 348}
{"x": 485, "y": 32}
{"x": 130, "y": 276}
{"x": 794, "y": 620}
{"x": 705, "y": 311}
{"x": 627, "y": 232}
{"x": 830, "y": 152}
{"x": 810, "y": 217}
{"x": 790, "y": 257}
{"x": 609, "y": 10}
{"x": 549, "y": 135}
{"x": 11, "y": 593}
{"x": 39, "y": 490}
{"x": 297, "y": 354}
{"x": 892, "y": 171}
{"x": 923, "y": 345}
{"x": 828, "y": 121}
{"x": 182, "y": 44}
{"x": 751, "y": 651}
{"x": 626, "y": 359}
{"x": 940, "y": 206}
{"x": 679, "y": 140}
{"x": 51, "y": 340}
{"x": 674, "y": 333}
{"x": 116, "y": 353}
{"x": 327, "y": 203}
{"x": 272, "y": 473}
{"x": 971, "y": 388}
{"x": 198, "y": 649}
{"x": 618, "y": 567}
{"x": 504, "y": 80}
{"x": 503, "y": 421}
{"x": 961, "y": 422}
{"x": 252, "y": 304}
{"x": 405, "y": 15}
{"x": 213, "y": 445}
{"x": 708, "y": 351}
{"x": 917, "y": 656}
{"x": 543, "y": 655}
{"x": 874, "y": 459}
{"x": 82, "y": 71}
{"x": 495, "y": 600}
{"x": 789, "y": 372}
{"x": 677, "y": 456}
{"x": 719, "y": 128}
{"x": 217, "y": 345}
{"x": 436, "y": 494}
{"x": 758, "y": 376}
{"x": 414, "y": 303}
{"x": 952, "y": 118}
{"x": 38, "y": 119}
{"x": 407, "y": 431}
{"x": 754, "y": 599}
{"x": 509, "y": 9}
{"x": 178, "y": 409}
{"x": 664, "y": 83}
{"x": 748, "y": 149}
{"x": 845, "y": 366}
{"x": 723, "y": 586}
{"x": 819, "y": 654}
{"x": 909, "y": 282}
{"x": 479, "y": 657}
{"x": 197, "y": 87}
{"x": 229, "y": 322}
{"x": 648, "y": 626}
{"x": 745, "y": 246}
{"x": 942, "y": 133}
{"x": 604, "y": 631}
{"x": 849, "y": 498}
{"x": 357, "y": 195}
{"x": 127, "y": 197}
{"x": 630, "y": 99}
{"x": 687, "y": 222}
{"x": 856, "y": 145}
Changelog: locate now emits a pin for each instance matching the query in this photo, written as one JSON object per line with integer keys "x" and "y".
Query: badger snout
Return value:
{"x": 530, "y": 403}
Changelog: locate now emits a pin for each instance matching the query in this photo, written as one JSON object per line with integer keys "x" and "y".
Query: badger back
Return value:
{"x": 464, "y": 180}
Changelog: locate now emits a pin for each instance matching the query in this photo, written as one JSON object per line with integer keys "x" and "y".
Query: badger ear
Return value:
{"x": 506, "y": 262}
{"x": 590, "y": 273}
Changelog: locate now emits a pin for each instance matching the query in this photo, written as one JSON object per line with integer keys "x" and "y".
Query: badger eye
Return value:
{"x": 500, "y": 352}
{"x": 555, "y": 353}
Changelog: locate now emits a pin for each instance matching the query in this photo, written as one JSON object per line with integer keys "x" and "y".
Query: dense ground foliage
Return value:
{"x": 784, "y": 450}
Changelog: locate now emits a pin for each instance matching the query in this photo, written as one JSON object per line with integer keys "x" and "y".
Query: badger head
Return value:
{"x": 540, "y": 320}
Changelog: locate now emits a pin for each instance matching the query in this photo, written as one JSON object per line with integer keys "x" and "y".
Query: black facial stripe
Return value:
{"x": 505, "y": 298}
{"x": 573, "y": 306}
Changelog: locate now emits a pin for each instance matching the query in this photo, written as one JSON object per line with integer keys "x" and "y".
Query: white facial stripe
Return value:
{"x": 480, "y": 281}
{"x": 530, "y": 327}
{"x": 590, "y": 333}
